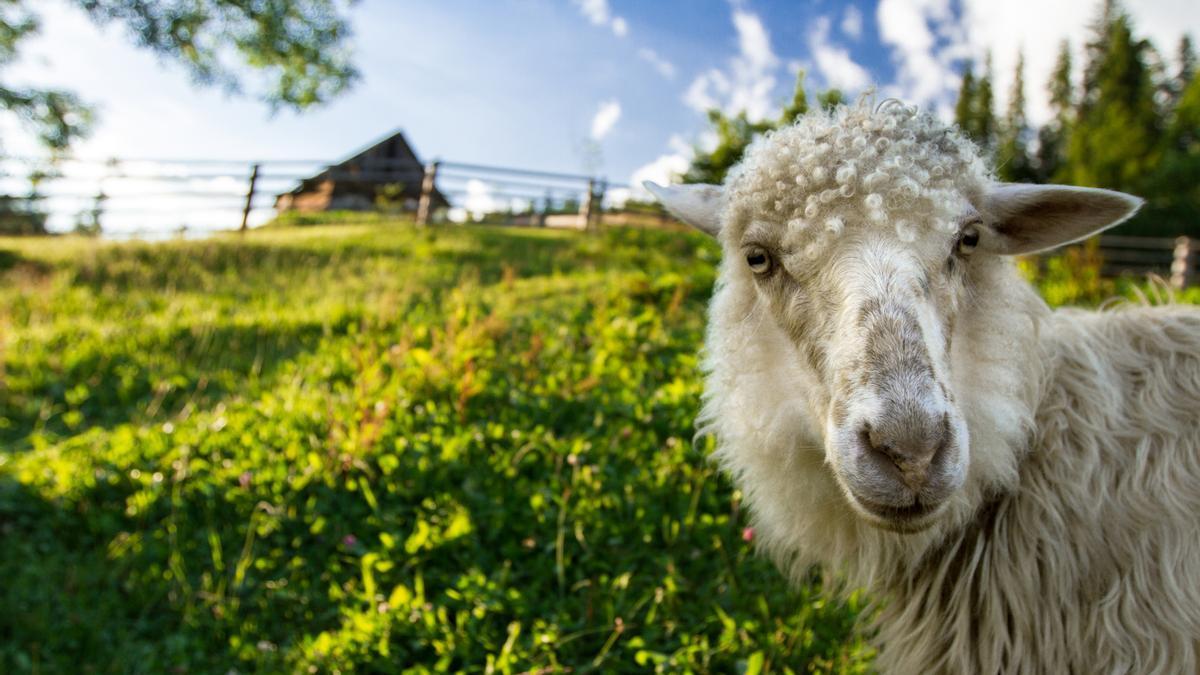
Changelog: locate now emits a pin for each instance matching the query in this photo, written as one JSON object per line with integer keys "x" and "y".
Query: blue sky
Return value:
{"x": 615, "y": 87}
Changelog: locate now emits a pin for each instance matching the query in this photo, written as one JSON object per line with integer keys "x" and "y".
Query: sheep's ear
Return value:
{"x": 697, "y": 205}
{"x": 1032, "y": 218}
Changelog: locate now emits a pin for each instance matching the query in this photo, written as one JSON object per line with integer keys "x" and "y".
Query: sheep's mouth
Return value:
{"x": 912, "y": 518}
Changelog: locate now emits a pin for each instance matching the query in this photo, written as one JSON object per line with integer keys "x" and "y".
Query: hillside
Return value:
{"x": 375, "y": 448}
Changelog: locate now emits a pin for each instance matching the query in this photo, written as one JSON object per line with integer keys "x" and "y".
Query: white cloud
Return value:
{"x": 605, "y": 119}
{"x": 926, "y": 63}
{"x": 834, "y": 62}
{"x": 663, "y": 66}
{"x": 599, "y": 13}
{"x": 750, "y": 79}
{"x": 596, "y": 11}
{"x": 664, "y": 169}
{"x": 852, "y": 22}
{"x": 479, "y": 198}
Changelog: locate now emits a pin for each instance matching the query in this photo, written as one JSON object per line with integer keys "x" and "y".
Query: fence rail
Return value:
{"x": 1173, "y": 258}
{"x": 154, "y": 198}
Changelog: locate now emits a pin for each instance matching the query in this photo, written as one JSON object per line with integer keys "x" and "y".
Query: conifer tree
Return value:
{"x": 1186, "y": 57}
{"x": 966, "y": 99}
{"x": 1114, "y": 142}
{"x": 1052, "y": 138}
{"x": 799, "y": 104}
{"x": 1012, "y": 155}
{"x": 735, "y": 132}
{"x": 973, "y": 112}
{"x": 984, "y": 108}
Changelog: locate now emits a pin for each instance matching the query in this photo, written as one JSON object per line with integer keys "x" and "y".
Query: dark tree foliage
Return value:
{"x": 1052, "y": 137}
{"x": 1013, "y": 162}
{"x": 296, "y": 52}
{"x": 298, "y": 46}
{"x": 1132, "y": 123}
{"x": 964, "y": 108}
{"x": 799, "y": 104}
{"x": 735, "y": 133}
{"x": 1186, "y": 57}
{"x": 974, "y": 112}
{"x": 55, "y": 116}
{"x": 1117, "y": 132}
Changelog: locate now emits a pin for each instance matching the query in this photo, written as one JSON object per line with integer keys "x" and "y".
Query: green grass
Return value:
{"x": 376, "y": 449}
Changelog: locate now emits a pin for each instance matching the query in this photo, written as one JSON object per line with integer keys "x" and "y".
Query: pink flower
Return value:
{"x": 748, "y": 534}
{"x": 349, "y": 541}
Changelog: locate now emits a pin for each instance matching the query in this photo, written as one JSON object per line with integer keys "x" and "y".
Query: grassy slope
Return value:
{"x": 379, "y": 449}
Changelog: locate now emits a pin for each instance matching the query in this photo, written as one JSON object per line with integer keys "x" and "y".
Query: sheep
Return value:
{"x": 1018, "y": 488}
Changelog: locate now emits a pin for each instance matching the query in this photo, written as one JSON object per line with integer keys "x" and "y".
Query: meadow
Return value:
{"x": 376, "y": 448}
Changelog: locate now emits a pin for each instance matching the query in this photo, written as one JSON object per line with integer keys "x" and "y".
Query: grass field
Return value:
{"x": 375, "y": 449}
{"x": 380, "y": 449}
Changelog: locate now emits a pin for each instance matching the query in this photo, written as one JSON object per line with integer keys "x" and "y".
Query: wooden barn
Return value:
{"x": 386, "y": 173}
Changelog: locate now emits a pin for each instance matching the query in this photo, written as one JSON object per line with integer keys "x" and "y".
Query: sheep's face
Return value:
{"x": 872, "y": 316}
{"x": 856, "y": 233}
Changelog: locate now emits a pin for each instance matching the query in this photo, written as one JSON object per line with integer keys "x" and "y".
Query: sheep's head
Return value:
{"x": 856, "y": 232}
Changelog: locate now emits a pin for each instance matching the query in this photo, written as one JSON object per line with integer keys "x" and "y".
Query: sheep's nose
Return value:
{"x": 905, "y": 446}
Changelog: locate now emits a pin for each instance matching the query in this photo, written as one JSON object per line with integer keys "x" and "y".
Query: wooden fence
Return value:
{"x": 1174, "y": 259}
{"x": 193, "y": 197}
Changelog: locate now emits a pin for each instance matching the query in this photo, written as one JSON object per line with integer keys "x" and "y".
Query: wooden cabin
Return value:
{"x": 387, "y": 174}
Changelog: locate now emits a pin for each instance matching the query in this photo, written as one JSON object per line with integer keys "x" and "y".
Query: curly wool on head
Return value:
{"x": 892, "y": 166}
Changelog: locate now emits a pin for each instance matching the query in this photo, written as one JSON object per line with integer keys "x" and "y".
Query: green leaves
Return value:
{"x": 299, "y": 49}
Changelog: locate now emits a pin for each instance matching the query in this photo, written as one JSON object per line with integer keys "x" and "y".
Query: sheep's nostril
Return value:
{"x": 904, "y": 453}
{"x": 874, "y": 444}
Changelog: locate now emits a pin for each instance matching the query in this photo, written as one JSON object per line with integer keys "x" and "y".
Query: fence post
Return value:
{"x": 249, "y": 198}
{"x": 601, "y": 189}
{"x": 425, "y": 206}
{"x": 585, "y": 209}
{"x": 1181, "y": 266}
{"x": 545, "y": 209}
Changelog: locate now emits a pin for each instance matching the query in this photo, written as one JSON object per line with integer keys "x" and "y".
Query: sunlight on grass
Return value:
{"x": 379, "y": 448}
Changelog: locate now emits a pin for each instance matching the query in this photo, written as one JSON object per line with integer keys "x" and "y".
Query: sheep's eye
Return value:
{"x": 968, "y": 239}
{"x": 759, "y": 260}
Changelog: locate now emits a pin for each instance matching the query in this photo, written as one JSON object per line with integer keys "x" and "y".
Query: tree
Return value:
{"x": 297, "y": 50}
{"x": 830, "y": 99}
{"x": 964, "y": 108}
{"x": 985, "y": 117}
{"x": 1012, "y": 154}
{"x": 1052, "y": 138}
{"x": 734, "y": 134}
{"x": 1186, "y": 57}
{"x": 1176, "y": 181}
{"x": 1115, "y": 139}
{"x": 799, "y": 104}
{"x": 973, "y": 113}
{"x": 23, "y": 214}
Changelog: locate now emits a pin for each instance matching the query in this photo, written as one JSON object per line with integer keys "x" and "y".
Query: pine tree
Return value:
{"x": 799, "y": 104}
{"x": 831, "y": 98}
{"x": 1012, "y": 156}
{"x": 1175, "y": 185}
{"x": 1114, "y": 142}
{"x": 1052, "y": 138}
{"x": 985, "y": 117}
{"x": 734, "y": 133}
{"x": 1186, "y": 57}
{"x": 973, "y": 111}
{"x": 966, "y": 99}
